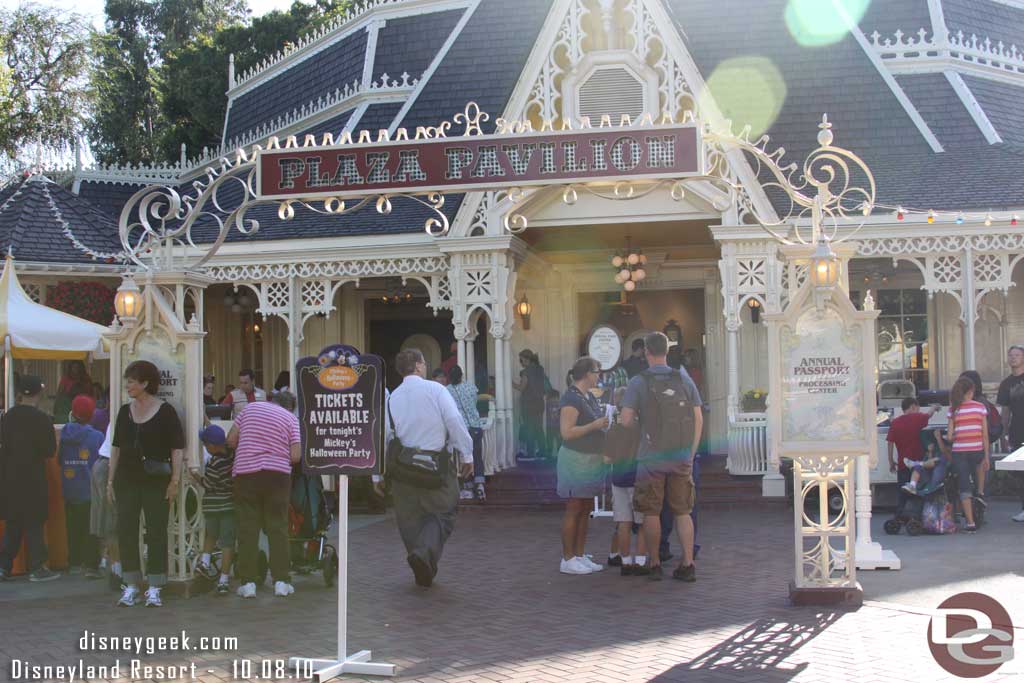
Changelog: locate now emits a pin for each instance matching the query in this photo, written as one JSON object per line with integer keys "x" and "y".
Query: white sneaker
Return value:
{"x": 247, "y": 590}
{"x": 283, "y": 590}
{"x": 574, "y": 566}
{"x": 590, "y": 564}
{"x": 129, "y": 596}
{"x": 1019, "y": 517}
{"x": 153, "y": 597}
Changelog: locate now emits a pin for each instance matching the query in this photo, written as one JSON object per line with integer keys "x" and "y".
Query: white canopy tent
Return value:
{"x": 33, "y": 331}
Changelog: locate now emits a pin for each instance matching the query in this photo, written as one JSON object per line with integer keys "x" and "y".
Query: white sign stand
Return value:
{"x": 358, "y": 663}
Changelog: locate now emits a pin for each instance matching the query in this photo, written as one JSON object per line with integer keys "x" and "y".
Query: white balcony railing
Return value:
{"x": 748, "y": 444}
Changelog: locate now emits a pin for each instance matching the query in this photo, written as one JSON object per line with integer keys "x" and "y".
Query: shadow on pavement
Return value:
{"x": 760, "y": 648}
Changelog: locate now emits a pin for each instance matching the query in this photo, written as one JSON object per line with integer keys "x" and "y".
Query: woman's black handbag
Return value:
{"x": 151, "y": 466}
{"x": 415, "y": 466}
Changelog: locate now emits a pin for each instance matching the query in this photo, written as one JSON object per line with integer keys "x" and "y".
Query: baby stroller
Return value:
{"x": 930, "y": 513}
{"x": 309, "y": 519}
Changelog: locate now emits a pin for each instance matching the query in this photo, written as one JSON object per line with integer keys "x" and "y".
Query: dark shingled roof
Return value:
{"x": 943, "y": 111}
{"x": 318, "y": 76}
{"x": 109, "y": 198}
{"x": 1004, "y": 106}
{"x": 484, "y": 64}
{"x": 409, "y": 44}
{"x": 840, "y": 80}
{"x": 985, "y": 19}
{"x": 889, "y": 16}
{"x": 37, "y": 215}
{"x": 486, "y": 60}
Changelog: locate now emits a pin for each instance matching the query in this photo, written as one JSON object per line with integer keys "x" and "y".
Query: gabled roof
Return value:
{"x": 42, "y": 222}
{"x": 841, "y": 80}
{"x": 477, "y": 52}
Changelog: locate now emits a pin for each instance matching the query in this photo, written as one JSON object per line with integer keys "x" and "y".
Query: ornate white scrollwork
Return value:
{"x": 832, "y": 173}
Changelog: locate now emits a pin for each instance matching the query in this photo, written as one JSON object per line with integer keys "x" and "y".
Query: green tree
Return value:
{"x": 194, "y": 78}
{"x": 44, "y": 97}
{"x": 126, "y": 122}
{"x": 141, "y": 35}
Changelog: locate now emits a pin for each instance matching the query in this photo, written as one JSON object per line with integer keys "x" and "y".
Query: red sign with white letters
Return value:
{"x": 480, "y": 162}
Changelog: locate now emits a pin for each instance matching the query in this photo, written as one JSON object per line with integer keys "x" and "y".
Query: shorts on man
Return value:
{"x": 656, "y": 481}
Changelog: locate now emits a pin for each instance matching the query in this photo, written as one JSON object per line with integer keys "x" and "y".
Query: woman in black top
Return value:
{"x": 145, "y": 470}
{"x": 580, "y": 466}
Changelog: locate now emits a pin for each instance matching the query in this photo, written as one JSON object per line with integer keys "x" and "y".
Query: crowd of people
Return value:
{"x": 974, "y": 425}
{"x": 645, "y": 433}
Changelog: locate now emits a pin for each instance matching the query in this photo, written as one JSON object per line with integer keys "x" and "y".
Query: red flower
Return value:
{"x": 89, "y": 300}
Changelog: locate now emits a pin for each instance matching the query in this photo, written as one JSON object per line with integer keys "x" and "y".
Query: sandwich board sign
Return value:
{"x": 341, "y": 406}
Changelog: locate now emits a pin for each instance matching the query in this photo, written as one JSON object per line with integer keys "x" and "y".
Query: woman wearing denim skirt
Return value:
{"x": 581, "y": 469}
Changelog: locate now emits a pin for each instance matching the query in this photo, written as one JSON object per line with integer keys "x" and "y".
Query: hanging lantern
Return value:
{"x": 128, "y": 300}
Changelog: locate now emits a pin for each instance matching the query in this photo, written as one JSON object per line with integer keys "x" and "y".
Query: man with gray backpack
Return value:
{"x": 666, "y": 404}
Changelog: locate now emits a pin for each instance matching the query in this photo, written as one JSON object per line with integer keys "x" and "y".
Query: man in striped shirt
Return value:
{"x": 267, "y": 443}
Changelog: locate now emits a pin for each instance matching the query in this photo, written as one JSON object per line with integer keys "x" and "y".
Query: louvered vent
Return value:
{"x": 612, "y": 91}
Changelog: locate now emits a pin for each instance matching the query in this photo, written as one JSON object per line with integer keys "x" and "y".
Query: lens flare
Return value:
{"x": 748, "y": 90}
{"x": 813, "y": 23}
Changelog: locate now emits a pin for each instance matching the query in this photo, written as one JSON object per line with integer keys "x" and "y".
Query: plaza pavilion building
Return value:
{"x": 929, "y": 93}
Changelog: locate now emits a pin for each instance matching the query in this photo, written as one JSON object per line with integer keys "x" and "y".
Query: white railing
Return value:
{"x": 748, "y": 444}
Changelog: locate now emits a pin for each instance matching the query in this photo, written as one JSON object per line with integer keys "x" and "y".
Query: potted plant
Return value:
{"x": 755, "y": 401}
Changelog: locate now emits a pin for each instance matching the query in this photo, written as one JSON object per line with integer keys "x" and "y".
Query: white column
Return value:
{"x": 461, "y": 354}
{"x": 469, "y": 355}
{"x": 294, "y": 327}
{"x": 511, "y": 436}
{"x": 732, "y": 327}
{"x": 970, "y": 307}
{"x": 868, "y": 553}
{"x": 501, "y": 443}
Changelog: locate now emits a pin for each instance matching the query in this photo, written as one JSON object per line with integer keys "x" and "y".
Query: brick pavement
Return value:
{"x": 501, "y": 612}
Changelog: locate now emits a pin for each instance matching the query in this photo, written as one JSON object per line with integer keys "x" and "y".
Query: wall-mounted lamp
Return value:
{"x": 755, "y": 310}
{"x": 524, "y": 308}
{"x": 824, "y": 271}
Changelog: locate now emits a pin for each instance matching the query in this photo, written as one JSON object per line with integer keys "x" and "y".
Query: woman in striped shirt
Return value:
{"x": 968, "y": 426}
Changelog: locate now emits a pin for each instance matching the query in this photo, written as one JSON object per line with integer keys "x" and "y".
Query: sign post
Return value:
{"x": 822, "y": 414}
{"x": 341, "y": 399}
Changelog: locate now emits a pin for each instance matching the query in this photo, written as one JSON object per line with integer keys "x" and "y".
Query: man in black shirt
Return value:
{"x": 27, "y": 440}
{"x": 1011, "y": 399}
{"x": 636, "y": 363}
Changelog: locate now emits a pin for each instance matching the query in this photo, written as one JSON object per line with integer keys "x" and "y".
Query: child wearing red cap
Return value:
{"x": 79, "y": 450}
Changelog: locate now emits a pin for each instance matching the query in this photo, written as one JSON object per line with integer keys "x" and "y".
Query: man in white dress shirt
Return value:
{"x": 426, "y": 417}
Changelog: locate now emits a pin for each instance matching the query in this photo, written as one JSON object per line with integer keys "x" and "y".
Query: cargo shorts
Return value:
{"x": 657, "y": 481}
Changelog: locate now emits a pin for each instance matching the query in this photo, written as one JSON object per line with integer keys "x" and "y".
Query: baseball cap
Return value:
{"x": 83, "y": 407}
{"x": 212, "y": 435}
{"x": 30, "y": 385}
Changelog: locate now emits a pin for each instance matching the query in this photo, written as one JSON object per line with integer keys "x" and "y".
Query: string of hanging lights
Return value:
{"x": 629, "y": 267}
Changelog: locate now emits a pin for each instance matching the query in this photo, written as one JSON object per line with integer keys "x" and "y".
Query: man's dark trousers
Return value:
{"x": 426, "y": 517}
{"x": 32, "y": 533}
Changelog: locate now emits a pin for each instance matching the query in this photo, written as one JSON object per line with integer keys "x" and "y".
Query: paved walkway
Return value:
{"x": 501, "y": 612}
